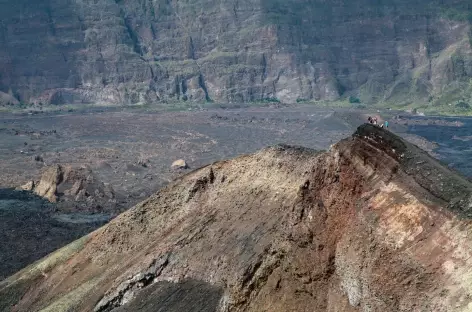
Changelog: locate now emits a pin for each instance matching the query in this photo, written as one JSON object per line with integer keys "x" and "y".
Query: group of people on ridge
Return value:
{"x": 373, "y": 121}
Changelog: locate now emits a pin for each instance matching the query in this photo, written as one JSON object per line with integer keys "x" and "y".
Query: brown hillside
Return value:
{"x": 362, "y": 227}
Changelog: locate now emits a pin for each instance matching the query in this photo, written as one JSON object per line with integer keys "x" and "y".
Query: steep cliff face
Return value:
{"x": 123, "y": 51}
{"x": 374, "y": 224}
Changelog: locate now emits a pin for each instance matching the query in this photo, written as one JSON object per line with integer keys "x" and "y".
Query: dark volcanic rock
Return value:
{"x": 189, "y": 296}
{"x": 73, "y": 52}
{"x": 29, "y": 230}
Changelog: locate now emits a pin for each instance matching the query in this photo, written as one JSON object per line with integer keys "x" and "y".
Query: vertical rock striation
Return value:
{"x": 125, "y": 52}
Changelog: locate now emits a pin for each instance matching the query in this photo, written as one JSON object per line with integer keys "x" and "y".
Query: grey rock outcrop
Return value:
{"x": 50, "y": 179}
{"x": 29, "y": 186}
{"x": 76, "y": 189}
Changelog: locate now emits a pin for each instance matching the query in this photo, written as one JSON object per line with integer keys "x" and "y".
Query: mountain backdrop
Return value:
{"x": 149, "y": 51}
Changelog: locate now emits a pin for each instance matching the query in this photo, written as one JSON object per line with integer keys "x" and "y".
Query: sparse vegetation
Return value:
{"x": 463, "y": 105}
{"x": 455, "y": 14}
{"x": 354, "y": 100}
{"x": 271, "y": 100}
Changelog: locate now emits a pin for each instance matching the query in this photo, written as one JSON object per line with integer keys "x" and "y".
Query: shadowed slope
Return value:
{"x": 30, "y": 230}
{"x": 361, "y": 227}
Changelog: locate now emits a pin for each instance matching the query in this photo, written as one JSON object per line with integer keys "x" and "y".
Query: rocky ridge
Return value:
{"x": 373, "y": 224}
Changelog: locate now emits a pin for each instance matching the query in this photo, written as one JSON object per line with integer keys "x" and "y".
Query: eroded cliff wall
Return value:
{"x": 123, "y": 51}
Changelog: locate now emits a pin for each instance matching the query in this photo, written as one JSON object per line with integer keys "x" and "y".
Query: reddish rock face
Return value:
{"x": 68, "y": 52}
{"x": 372, "y": 224}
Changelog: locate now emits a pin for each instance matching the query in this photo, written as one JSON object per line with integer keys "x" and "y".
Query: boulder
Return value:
{"x": 81, "y": 196}
{"x": 28, "y": 186}
{"x": 75, "y": 189}
{"x": 143, "y": 163}
{"x": 179, "y": 164}
{"x": 50, "y": 179}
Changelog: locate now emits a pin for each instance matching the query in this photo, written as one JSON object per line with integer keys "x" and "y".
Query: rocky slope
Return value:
{"x": 373, "y": 224}
{"x": 126, "y": 51}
